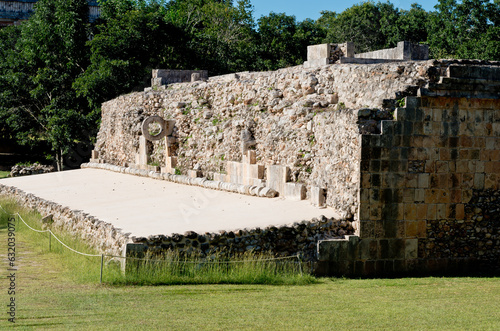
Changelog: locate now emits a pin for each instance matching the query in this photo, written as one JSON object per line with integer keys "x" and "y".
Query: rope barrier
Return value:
{"x": 39, "y": 231}
{"x": 71, "y": 249}
{"x": 4, "y": 210}
{"x": 151, "y": 260}
{"x": 52, "y": 233}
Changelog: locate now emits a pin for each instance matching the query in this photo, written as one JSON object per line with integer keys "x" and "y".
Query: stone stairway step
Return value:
{"x": 491, "y": 73}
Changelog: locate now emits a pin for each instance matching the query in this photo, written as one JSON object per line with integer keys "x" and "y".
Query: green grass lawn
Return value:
{"x": 4, "y": 174}
{"x": 50, "y": 295}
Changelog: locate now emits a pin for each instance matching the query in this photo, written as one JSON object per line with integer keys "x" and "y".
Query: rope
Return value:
{"x": 4, "y": 210}
{"x": 141, "y": 259}
{"x": 43, "y": 231}
{"x": 71, "y": 249}
{"x": 39, "y": 231}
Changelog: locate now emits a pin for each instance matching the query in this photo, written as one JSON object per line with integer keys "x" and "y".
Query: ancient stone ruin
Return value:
{"x": 405, "y": 150}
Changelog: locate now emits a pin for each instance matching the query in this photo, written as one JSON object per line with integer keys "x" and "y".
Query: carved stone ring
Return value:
{"x": 155, "y": 128}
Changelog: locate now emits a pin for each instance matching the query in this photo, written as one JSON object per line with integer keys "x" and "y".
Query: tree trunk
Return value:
{"x": 59, "y": 160}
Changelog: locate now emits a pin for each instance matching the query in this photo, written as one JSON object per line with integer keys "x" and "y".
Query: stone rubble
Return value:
{"x": 26, "y": 170}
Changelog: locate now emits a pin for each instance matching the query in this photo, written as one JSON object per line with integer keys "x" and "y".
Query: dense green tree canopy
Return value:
{"x": 56, "y": 69}
{"x": 467, "y": 29}
{"x": 38, "y": 101}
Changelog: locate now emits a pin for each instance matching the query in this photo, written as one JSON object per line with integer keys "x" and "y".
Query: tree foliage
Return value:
{"x": 468, "y": 29}
{"x": 38, "y": 101}
{"x": 56, "y": 69}
{"x": 132, "y": 39}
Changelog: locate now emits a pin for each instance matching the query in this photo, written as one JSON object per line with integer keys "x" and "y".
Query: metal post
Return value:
{"x": 102, "y": 263}
{"x": 300, "y": 264}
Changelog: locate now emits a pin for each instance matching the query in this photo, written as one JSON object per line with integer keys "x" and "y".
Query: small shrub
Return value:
{"x": 401, "y": 102}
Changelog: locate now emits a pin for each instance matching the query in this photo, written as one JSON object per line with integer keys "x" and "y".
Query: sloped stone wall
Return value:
{"x": 300, "y": 118}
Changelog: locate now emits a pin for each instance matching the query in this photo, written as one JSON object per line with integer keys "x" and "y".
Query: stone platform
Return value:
{"x": 144, "y": 206}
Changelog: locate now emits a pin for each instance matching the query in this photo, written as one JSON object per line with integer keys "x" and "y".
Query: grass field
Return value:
{"x": 4, "y": 174}
{"x": 51, "y": 294}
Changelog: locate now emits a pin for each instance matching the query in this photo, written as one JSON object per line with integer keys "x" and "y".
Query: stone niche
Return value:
{"x": 169, "y": 76}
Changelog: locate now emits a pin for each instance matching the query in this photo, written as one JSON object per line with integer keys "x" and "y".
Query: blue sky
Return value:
{"x": 303, "y": 9}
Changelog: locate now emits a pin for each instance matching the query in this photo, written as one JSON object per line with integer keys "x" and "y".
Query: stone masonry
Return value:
{"x": 407, "y": 150}
{"x": 291, "y": 114}
{"x": 407, "y": 153}
{"x": 429, "y": 192}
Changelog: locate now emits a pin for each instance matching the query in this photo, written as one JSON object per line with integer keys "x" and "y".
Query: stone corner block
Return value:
{"x": 318, "y": 196}
{"x": 295, "y": 191}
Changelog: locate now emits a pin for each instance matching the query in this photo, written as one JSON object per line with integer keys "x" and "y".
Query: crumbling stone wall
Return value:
{"x": 300, "y": 118}
{"x": 430, "y": 182}
{"x": 298, "y": 238}
{"x": 420, "y": 181}
{"x": 98, "y": 234}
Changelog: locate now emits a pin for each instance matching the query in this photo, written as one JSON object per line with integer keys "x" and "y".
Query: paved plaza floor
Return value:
{"x": 145, "y": 206}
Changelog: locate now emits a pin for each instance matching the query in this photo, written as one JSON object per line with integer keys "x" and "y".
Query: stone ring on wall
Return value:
{"x": 155, "y": 128}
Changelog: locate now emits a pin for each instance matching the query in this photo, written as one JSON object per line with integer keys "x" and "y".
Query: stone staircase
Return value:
{"x": 466, "y": 81}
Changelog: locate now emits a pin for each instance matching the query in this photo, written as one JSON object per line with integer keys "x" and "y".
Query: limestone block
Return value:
{"x": 234, "y": 172}
{"x": 277, "y": 176}
{"x": 295, "y": 191}
{"x": 153, "y": 168}
{"x": 220, "y": 177}
{"x": 195, "y": 77}
{"x": 194, "y": 173}
{"x": 349, "y": 49}
{"x": 257, "y": 182}
{"x": 267, "y": 192}
{"x": 253, "y": 171}
{"x": 143, "y": 151}
{"x": 411, "y": 248}
{"x": 317, "y": 62}
{"x": 316, "y": 52}
{"x": 318, "y": 196}
{"x": 250, "y": 157}
{"x": 95, "y": 154}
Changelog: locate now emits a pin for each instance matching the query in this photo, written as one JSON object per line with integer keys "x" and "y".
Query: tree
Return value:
{"x": 220, "y": 35}
{"x": 277, "y": 44}
{"x": 131, "y": 40}
{"x": 359, "y": 24}
{"x": 468, "y": 29}
{"x": 413, "y": 24}
{"x": 375, "y": 26}
{"x": 38, "y": 75}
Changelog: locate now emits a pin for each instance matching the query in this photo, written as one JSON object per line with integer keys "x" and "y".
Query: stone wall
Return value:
{"x": 409, "y": 150}
{"x": 291, "y": 114}
{"x": 100, "y": 235}
{"x": 430, "y": 183}
{"x": 299, "y": 238}
{"x": 403, "y": 51}
{"x": 27, "y": 170}
{"x": 288, "y": 240}
{"x": 169, "y": 76}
